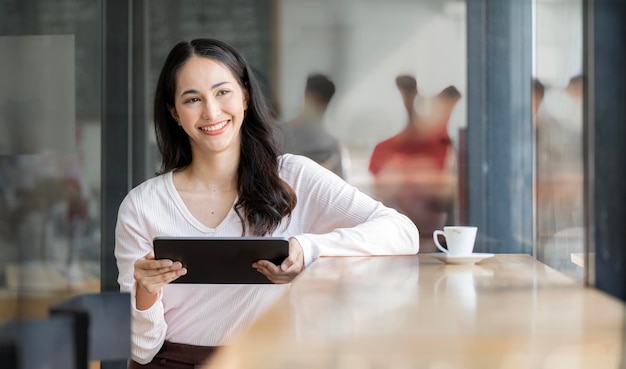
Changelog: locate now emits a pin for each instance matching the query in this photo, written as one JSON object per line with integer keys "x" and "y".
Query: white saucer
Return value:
{"x": 469, "y": 259}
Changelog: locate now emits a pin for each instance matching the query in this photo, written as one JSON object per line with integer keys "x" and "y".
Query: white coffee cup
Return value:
{"x": 459, "y": 239}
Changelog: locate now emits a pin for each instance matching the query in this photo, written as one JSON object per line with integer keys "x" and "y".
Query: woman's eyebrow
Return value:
{"x": 187, "y": 92}
{"x": 218, "y": 84}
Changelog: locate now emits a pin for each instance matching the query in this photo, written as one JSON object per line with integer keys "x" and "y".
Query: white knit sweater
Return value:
{"x": 331, "y": 218}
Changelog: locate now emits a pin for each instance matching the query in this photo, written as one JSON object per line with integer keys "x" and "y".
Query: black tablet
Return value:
{"x": 213, "y": 260}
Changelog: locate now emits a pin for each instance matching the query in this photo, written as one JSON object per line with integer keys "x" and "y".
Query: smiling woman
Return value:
{"x": 222, "y": 176}
{"x": 209, "y": 105}
{"x": 197, "y": 70}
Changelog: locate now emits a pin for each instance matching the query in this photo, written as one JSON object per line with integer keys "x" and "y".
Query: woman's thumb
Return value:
{"x": 286, "y": 264}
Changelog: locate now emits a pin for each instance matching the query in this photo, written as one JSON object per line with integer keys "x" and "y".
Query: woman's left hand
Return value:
{"x": 288, "y": 270}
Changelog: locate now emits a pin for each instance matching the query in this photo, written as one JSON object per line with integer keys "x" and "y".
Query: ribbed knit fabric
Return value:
{"x": 332, "y": 218}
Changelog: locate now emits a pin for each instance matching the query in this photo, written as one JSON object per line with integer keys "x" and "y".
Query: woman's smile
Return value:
{"x": 215, "y": 128}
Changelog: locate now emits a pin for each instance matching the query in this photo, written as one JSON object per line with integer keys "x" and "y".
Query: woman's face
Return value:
{"x": 209, "y": 104}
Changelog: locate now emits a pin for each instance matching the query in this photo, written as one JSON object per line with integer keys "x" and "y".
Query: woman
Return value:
{"x": 222, "y": 176}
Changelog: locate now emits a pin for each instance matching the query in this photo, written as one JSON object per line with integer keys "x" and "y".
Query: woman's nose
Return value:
{"x": 211, "y": 110}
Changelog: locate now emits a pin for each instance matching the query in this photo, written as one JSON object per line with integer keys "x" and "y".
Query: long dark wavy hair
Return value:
{"x": 264, "y": 199}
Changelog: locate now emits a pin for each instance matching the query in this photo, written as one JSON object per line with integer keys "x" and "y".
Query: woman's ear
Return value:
{"x": 246, "y": 98}
{"x": 174, "y": 113}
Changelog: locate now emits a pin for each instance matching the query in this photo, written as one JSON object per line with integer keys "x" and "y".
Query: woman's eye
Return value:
{"x": 222, "y": 92}
{"x": 192, "y": 100}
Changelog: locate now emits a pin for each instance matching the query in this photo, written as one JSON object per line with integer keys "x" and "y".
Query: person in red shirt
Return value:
{"x": 414, "y": 169}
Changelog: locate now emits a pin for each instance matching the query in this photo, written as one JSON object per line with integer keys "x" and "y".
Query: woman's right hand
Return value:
{"x": 151, "y": 275}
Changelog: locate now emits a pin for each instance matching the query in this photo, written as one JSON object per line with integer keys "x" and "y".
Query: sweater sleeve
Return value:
{"x": 132, "y": 242}
{"x": 337, "y": 219}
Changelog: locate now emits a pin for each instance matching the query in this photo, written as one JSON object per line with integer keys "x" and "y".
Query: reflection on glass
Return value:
{"x": 559, "y": 134}
{"x": 27, "y": 111}
{"x": 50, "y": 154}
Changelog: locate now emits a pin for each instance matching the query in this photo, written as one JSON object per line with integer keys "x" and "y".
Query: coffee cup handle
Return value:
{"x": 435, "y": 234}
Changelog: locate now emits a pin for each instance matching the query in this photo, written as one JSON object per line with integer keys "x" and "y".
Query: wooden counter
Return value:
{"x": 509, "y": 311}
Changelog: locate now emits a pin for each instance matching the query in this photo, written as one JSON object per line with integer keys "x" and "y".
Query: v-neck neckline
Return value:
{"x": 180, "y": 204}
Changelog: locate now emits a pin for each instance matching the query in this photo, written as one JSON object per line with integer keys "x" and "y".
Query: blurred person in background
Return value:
{"x": 415, "y": 171}
{"x": 538, "y": 92}
{"x": 305, "y": 134}
{"x": 560, "y": 154}
{"x": 560, "y": 174}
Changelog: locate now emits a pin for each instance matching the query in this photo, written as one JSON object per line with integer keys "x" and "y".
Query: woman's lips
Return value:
{"x": 214, "y": 127}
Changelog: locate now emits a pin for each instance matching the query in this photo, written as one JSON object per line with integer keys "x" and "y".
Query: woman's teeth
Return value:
{"x": 214, "y": 127}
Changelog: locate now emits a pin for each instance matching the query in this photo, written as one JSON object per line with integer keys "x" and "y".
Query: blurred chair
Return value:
{"x": 105, "y": 317}
{"x": 51, "y": 343}
{"x": 8, "y": 353}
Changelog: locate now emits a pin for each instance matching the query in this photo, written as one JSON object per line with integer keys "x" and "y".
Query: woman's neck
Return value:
{"x": 213, "y": 175}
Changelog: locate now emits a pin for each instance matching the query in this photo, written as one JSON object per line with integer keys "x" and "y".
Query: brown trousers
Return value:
{"x": 177, "y": 356}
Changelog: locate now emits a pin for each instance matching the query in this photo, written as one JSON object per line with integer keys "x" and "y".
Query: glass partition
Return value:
{"x": 49, "y": 153}
{"x": 558, "y": 96}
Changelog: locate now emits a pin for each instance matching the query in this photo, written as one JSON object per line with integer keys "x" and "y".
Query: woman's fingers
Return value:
{"x": 288, "y": 269}
{"x": 153, "y": 274}
{"x": 295, "y": 262}
{"x": 165, "y": 277}
{"x": 144, "y": 263}
{"x": 274, "y": 273}
{"x": 155, "y": 282}
{"x": 152, "y": 267}
{"x": 159, "y": 270}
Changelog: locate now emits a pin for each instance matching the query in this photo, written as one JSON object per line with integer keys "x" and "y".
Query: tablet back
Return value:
{"x": 214, "y": 260}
